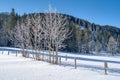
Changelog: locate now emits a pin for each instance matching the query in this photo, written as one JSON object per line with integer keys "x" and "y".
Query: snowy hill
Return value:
{"x": 89, "y": 67}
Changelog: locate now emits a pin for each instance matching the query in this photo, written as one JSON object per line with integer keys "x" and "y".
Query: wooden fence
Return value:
{"x": 51, "y": 58}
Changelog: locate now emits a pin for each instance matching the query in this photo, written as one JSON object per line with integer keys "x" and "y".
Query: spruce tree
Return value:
{"x": 12, "y": 20}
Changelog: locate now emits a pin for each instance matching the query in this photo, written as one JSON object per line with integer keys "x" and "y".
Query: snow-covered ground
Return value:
{"x": 89, "y": 67}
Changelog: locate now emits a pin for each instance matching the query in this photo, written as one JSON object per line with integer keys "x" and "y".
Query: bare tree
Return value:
{"x": 28, "y": 33}
{"x": 79, "y": 39}
{"x": 91, "y": 46}
{"x": 17, "y": 35}
{"x": 36, "y": 32}
{"x": 20, "y": 35}
{"x": 56, "y": 30}
{"x": 31, "y": 31}
{"x": 112, "y": 45}
{"x": 98, "y": 46}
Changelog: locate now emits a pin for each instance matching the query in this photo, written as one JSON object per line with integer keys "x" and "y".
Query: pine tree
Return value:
{"x": 12, "y": 20}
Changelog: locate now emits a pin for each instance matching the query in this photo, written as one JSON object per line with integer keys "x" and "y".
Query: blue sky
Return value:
{"x": 103, "y": 12}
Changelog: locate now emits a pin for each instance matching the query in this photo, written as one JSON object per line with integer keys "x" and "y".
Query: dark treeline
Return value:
{"x": 86, "y": 37}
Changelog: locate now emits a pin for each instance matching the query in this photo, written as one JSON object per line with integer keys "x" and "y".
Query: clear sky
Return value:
{"x": 103, "y": 12}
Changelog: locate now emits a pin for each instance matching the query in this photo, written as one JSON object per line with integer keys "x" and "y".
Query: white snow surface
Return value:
{"x": 20, "y": 68}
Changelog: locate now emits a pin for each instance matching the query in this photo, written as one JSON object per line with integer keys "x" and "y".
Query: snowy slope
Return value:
{"x": 19, "y": 68}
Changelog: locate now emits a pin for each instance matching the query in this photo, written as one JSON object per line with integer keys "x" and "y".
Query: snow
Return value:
{"x": 20, "y": 68}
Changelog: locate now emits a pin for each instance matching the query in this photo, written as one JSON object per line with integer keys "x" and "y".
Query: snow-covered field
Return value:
{"x": 89, "y": 67}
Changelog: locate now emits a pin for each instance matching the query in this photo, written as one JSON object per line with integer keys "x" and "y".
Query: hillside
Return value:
{"x": 86, "y": 37}
{"x": 85, "y": 32}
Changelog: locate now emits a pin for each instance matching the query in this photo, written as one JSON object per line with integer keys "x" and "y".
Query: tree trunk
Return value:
{"x": 56, "y": 62}
{"x": 53, "y": 56}
{"x": 50, "y": 56}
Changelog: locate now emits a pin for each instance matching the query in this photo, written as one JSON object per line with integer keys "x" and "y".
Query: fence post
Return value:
{"x": 33, "y": 55}
{"x": 36, "y": 56}
{"x": 75, "y": 63}
{"x": 28, "y": 55}
{"x": 39, "y": 56}
{"x": 105, "y": 67}
{"x": 46, "y": 58}
{"x": 16, "y": 53}
{"x": 2, "y": 52}
{"x": 8, "y": 52}
{"x": 60, "y": 60}
{"x": 42, "y": 56}
{"x": 66, "y": 57}
{"x": 49, "y": 57}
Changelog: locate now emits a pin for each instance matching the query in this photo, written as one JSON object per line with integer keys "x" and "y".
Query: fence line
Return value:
{"x": 50, "y": 58}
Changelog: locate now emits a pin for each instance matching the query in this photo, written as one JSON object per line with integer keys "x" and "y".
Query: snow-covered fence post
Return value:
{"x": 105, "y": 67}
{"x": 66, "y": 57}
{"x": 75, "y": 63}
{"x": 60, "y": 60}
